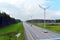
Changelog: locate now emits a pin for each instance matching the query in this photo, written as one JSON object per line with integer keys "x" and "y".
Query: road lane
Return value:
{"x": 28, "y": 36}
{"x": 36, "y": 33}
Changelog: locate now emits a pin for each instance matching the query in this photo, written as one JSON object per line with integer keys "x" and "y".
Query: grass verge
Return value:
{"x": 49, "y": 26}
{"x": 9, "y": 32}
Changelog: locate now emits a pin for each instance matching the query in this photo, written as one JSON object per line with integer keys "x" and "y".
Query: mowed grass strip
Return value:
{"x": 9, "y": 32}
{"x": 50, "y": 26}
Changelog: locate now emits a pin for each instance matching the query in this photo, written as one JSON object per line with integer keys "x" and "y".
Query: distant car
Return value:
{"x": 45, "y": 32}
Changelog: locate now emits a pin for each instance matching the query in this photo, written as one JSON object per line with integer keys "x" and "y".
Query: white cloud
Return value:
{"x": 14, "y": 2}
{"x": 9, "y": 1}
{"x": 57, "y": 13}
{"x": 30, "y": 8}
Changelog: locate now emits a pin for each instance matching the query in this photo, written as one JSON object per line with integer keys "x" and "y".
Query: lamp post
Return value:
{"x": 31, "y": 20}
{"x": 44, "y": 15}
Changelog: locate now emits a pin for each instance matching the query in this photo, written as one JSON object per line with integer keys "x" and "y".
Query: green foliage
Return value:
{"x": 9, "y": 32}
{"x": 5, "y": 20}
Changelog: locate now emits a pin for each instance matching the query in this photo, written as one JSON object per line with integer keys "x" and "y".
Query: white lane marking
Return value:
{"x": 17, "y": 35}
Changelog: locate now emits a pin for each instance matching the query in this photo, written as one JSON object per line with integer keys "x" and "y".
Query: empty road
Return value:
{"x": 37, "y": 33}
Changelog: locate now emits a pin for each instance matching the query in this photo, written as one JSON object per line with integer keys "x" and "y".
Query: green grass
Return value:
{"x": 9, "y": 32}
{"x": 52, "y": 27}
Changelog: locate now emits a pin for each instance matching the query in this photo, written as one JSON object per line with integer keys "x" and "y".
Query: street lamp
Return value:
{"x": 44, "y": 15}
{"x": 31, "y": 20}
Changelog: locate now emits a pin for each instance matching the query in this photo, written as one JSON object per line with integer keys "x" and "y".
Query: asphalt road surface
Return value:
{"x": 37, "y": 33}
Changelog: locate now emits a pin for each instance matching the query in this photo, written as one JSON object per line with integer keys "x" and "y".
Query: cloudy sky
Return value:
{"x": 29, "y": 9}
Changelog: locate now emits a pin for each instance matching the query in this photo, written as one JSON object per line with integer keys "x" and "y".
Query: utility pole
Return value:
{"x": 44, "y": 15}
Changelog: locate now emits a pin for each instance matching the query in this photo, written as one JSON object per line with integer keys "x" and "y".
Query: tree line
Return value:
{"x": 5, "y": 20}
{"x": 42, "y": 21}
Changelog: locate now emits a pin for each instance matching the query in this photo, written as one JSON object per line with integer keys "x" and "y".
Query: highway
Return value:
{"x": 37, "y": 33}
